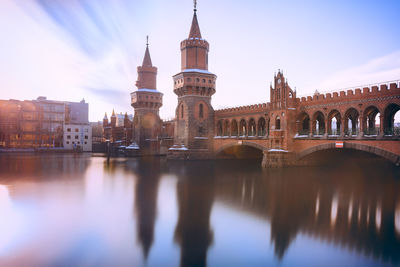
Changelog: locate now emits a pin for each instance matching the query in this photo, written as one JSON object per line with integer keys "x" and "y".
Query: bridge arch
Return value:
{"x": 356, "y": 146}
{"x": 303, "y": 122}
{"x": 226, "y": 129}
{"x": 369, "y": 120}
{"x": 244, "y": 143}
{"x": 242, "y": 127}
{"x": 334, "y": 122}
{"x": 252, "y": 127}
{"x": 261, "y": 127}
{"x": 219, "y": 128}
{"x": 388, "y": 118}
{"x": 351, "y": 121}
{"x": 234, "y": 128}
{"x": 318, "y": 123}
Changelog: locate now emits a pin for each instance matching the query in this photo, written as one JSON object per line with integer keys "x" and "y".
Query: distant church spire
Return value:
{"x": 195, "y": 29}
{"x": 147, "y": 58}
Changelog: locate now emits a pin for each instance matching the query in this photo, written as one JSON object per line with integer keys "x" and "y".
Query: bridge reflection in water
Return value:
{"x": 344, "y": 211}
{"x": 348, "y": 207}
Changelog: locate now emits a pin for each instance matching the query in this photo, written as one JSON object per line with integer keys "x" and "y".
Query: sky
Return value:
{"x": 79, "y": 49}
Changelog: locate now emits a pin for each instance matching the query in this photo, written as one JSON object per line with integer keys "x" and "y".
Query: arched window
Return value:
{"x": 334, "y": 122}
{"x": 261, "y": 131}
{"x": 351, "y": 124}
{"x": 182, "y": 111}
{"x": 277, "y": 123}
{"x": 219, "y": 128}
{"x": 390, "y": 116}
{"x": 201, "y": 112}
{"x": 234, "y": 128}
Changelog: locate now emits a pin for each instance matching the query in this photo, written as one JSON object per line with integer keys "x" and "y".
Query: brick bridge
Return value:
{"x": 289, "y": 128}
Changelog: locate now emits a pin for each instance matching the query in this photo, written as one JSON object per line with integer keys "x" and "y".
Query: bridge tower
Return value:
{"x": 194, "y": 86}
{"x": 282, "y": 112}
{"x": 146, "y": 101}
{"x": 282, "y": 125}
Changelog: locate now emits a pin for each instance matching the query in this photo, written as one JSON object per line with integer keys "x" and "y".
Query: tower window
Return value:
{"x": 197, "y": 80}
{"x": 204, "y": 80}
{"x": 201, "y": 112}
{"x": 277, "y": 123}
{"x": 182, "y": 111}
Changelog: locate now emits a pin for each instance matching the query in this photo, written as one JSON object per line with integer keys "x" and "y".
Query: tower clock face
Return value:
{"x": 279, "y": 81}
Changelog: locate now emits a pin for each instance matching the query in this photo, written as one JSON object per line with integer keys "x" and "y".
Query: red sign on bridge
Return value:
{"x": 339, "y": 144}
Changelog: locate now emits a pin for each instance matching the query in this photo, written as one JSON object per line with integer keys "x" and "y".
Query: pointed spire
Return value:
{"x": 105, "y": 116}
{"x": 195, "y": 29}
{"x": 147, "y": 58}
{"x": 113, "y": 113}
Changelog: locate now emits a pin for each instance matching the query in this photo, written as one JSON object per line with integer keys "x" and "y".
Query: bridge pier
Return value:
{"x": 277, "y": 158}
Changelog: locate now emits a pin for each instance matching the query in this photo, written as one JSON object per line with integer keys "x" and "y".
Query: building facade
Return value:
{"x": 116, "y": 130}
{"x": 40, "y": 123}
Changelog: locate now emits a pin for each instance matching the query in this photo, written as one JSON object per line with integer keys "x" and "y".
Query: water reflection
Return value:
{"x": 193, "y": 233}
{"x": 116, "y": 206}
{"x": 332, "y": 205}
{"x": 146, "y": 190}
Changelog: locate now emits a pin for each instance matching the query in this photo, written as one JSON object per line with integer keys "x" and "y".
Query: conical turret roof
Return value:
{"x": 147, "y": 58}
{"x": 195, "y": 29}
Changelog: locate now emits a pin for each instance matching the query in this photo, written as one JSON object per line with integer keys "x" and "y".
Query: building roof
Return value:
{"x": 195, "y": 29}
{"x": 147, "y": 58}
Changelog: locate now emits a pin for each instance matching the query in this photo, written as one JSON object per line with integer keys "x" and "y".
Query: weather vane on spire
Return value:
{"x": 147, "y": 40}
{"x": 195, "y": 5}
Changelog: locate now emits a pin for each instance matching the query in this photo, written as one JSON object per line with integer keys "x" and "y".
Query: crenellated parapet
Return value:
{"x": 374, "y": 91}
{"x": 195, "y": 42}
{"x": 242, "y": 110}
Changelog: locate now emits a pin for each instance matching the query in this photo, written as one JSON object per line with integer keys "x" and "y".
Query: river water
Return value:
{"x": 80, "y": 210}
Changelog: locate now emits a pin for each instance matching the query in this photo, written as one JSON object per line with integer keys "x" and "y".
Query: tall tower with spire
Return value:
{"x": 194, "y": 86}
{"x": 146, "y": 101}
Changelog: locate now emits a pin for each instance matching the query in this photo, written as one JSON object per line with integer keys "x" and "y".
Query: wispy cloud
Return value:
{"x": 381, "y": 69}
{"x": 110, "y": 95}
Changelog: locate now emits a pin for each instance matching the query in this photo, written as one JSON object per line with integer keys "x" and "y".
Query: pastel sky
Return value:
{"x": 74, "y": 49}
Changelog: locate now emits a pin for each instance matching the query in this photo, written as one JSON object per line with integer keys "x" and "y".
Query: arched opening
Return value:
{"x": 303, "y": 122}
{"x": 219, "y": 128}
{"x": 201, "y": 111}
{"x": 371, "y": 121}
{"x": 261, "y": 129}
{"x": 242, "y": 128}
{"x": 252, "y": 127}
{"x": 182, "y": 111}
{"x": 234, "y": 128}
{"x": 351, "y": 122}
{"x": 390, "y": 115}
{"x": 277, "y": 123}
{"x": 318, "y": 123}
{"x": 329, "y": 155}
{"x": 334, "y": 121}
{"x": 240, "y": 152}
{"x": 226, "y": 128}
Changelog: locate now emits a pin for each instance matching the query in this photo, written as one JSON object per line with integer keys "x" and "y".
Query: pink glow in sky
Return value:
{"x": 69, "y": 50}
